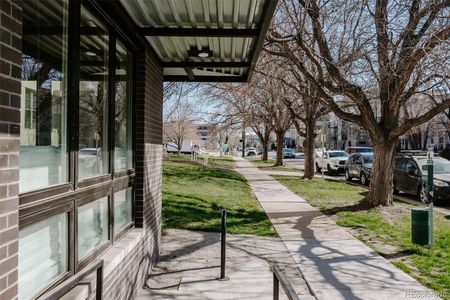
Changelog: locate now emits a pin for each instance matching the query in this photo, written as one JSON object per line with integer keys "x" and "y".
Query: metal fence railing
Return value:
{"x": 279, "y": 277}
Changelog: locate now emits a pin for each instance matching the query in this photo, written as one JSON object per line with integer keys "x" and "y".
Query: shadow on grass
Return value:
{"x": 400, "y": 254}
{"x": 361, "y": 205}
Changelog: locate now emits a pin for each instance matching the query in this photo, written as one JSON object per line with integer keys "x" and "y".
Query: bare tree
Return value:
{"x": 443, "y": 118}
{"x": 242, "y": 104}
{"x": 263, "y": 131}
{"x": 308, "y": 112}
{"x": 374, "y": 55}
{"x": 304, "y": 107}
{"x": 271, "y": 94}
{"x": 175, "y": 93}
{"x": 180, "y": 127}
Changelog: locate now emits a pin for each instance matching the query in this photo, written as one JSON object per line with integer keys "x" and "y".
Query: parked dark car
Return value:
{"x": 408, "y": 178}
{"x": 445, "y": 153}
{"x": 288, "y": 153}
{"x": 359, "y": 165}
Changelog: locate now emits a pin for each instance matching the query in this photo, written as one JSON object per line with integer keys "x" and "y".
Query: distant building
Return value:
{"x": 202, "y": 132}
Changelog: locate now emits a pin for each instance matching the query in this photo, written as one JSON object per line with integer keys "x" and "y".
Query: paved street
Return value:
{"x": 336, "y": 265}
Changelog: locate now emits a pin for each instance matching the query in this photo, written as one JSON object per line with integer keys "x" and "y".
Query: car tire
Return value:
{"x": 318, "y": 170}
{"x": 347, "y": 176}
{"x": 329, "y": 170}
{"x": 422, "y": 193}
{"x": 363, "y": 179}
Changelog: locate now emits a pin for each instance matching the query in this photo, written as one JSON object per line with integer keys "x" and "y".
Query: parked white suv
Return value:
{"x": 333, "y": 161}
{"x": 251, "y": 152}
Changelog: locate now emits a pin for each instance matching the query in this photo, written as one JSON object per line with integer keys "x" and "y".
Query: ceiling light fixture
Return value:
{"x": 203, "y": 53}
{"x": 90, "y": 53}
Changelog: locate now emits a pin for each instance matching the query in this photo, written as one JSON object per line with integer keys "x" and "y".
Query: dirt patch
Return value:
{"x": 391, "y": 213}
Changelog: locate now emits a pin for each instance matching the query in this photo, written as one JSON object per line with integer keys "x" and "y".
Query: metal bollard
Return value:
{"x": 276, "y": 287}
{"x": 223, "y": 241}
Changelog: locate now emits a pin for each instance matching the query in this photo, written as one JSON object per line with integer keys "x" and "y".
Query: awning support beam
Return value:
{"x": 201, "y": 32}
{"x": 181, "y": 78}
{"x": 205, "y": 64}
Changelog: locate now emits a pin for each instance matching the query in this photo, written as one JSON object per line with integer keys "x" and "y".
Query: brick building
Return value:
{"x": 81, "y": 128}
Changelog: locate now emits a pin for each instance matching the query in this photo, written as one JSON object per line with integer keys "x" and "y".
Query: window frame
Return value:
{"x": 74, "y": 182}
{"x": 32, "y": 219}
{"x": 37, "y": 205}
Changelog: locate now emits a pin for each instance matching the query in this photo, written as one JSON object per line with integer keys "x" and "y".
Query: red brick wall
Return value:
{"x": 10, "y": 70}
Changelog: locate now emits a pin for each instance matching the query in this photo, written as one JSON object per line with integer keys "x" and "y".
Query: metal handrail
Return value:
{"x": 73, "y": 281}
{"x": 279, "y": 277}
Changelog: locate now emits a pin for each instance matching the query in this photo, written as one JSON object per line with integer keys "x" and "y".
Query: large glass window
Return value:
{"x": 123, "y": 205}
{"x": 92, "y": 226}
{"x": 45, "y": 247}
{"x": 93, "y": 108}
{"x": 123, "y": 107}
{"x": 43, "y": 254}
{"x": 43, "y": 152}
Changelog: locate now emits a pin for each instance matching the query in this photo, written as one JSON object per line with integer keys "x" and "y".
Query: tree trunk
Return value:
{"x": 381, "y": 180}
{"x": 425, "y": 139}
{"x": 179, "y": 146}
{"x": 280, "y": 144}
{"x": 309, "y": 150}
{"x": 265, "y": 154}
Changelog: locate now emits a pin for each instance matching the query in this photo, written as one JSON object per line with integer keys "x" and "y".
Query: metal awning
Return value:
{"x": 204, "y": 40}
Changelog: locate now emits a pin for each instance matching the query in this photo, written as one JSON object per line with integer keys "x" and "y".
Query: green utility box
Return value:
{"x": 420, "y": 226}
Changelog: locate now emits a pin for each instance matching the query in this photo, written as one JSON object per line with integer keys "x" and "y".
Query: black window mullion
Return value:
{"x": 111, "y": 100}
{"x": 111, "y": 216}
{"x": 73, "y": 88}
{"x": 112, "y": 123}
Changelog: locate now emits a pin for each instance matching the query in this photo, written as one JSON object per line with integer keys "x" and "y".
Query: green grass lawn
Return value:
{"x": 193, "y": 196}
{"x": 258, "y": 162}
{"x": 385, "y": 229}
{"x": 220, "y": 162}
{"x": 268, "y": 165}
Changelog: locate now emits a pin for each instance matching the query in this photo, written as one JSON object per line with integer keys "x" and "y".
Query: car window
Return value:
{"x": 400, "y": 164}
{"x": 368, "y": 159}
{"x": 358, "y": 160}
{"x": 410, "y": 165}
{"x": 338, "y": 154}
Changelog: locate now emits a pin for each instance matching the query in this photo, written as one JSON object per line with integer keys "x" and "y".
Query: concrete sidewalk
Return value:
{"x": 189, "y": 267}
{"x": 335, "y": 264}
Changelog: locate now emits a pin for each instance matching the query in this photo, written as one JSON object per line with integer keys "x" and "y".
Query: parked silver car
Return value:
{"x": 359, "y": 165}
